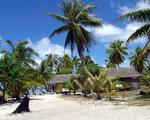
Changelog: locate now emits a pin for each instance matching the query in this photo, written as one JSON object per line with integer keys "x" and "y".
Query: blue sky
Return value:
{"x": 26, "y": 20}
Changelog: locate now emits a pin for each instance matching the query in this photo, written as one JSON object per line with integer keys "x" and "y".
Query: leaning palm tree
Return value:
{"x": 97, "y": 81}
{"x": 135, "y": 62}
{"x": 76, "y": 15}
{"x": 116, "y": 52}
{"x": 142, "y": 15}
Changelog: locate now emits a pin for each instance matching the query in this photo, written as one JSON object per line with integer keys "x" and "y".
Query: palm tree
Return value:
{"x": 109, "y": 64}
{"x": 142, "y": 15}
{"x": 76, "y": 63}
{"x": 44, "y": 73}
{"x": 135, "y": 62}
{"x": 75, "y": 16}
{"x": 23, "y": 53}
{"x": 146, "y": 77}
{"x": 66, "y": 61}
{"x": 86, "y": 60}
{"x": 97, "y": 81}
{"x": 110, "y": 85}
{"x": 50, "y": 62}
{"x": 11, "y": 74}
{"x": 71, "y": 85}
{"x": 116, "y": 52}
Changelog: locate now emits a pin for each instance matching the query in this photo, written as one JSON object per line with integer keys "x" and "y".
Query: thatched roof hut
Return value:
{"x": 111, "y": 72}
{"x": 62, "y": 78}
{"x": 128, "y": 75}
{"x": 123, "y": 72}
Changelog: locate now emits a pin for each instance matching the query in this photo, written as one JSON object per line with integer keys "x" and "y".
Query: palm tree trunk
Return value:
{"x": 98, "y": 97}
{"x": 17, "y": 96}
{"x": 74, "y": 92}
{"x": 110, "y": 98}
{"x": 85, "y": 95}
{"x": 4, "y": 92}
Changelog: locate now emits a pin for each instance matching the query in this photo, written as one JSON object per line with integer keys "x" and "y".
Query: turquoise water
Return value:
{"x": 38, "y": 90}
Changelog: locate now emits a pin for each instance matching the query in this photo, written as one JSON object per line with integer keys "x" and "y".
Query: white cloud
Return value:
{"x": 139, "y": 5}
{"x": 44, "y": 46}
{"x": 109, "y": 32}
{"x": 126, "y": 64}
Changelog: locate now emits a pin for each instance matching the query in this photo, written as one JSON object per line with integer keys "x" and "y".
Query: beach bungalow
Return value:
{"x": 56, "y": 82}
{"x": 126, "y": 75}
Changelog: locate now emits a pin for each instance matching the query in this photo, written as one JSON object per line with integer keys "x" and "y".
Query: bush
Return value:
{"x": 65, "y": 71}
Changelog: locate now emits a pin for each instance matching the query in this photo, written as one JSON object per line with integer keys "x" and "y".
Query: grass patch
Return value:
{"x": 78, "y": 98}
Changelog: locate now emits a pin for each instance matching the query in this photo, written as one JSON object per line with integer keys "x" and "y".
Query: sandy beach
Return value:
{"x": 54, "y": 107}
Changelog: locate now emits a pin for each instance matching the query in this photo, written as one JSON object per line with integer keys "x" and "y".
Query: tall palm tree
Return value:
{"x": 75, "y": 16}
{"x": 142, "y": 15}
{"x": 135, "y": 62}
{"x": 50, "y": 62}
{"x": 76, "y": 63}
{"x": 116, "y": 52}
{"x": 23, "y": 53}
{"x": 87, "y": 60}
{"x": 66, "y": 61}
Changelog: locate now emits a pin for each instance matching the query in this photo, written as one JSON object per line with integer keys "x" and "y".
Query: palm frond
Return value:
{"x": 9, "y": 42}
{"x": 91, "y": 21}
{"x": 138, "y": 15}
{"x": 87, "y": 8}
{"x": 141, "y": 32}
{"x": 59, "y": 30}
{"x": 60, "y": 17}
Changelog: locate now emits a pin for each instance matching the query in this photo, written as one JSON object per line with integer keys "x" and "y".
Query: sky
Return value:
{"x": 27, "y": 20}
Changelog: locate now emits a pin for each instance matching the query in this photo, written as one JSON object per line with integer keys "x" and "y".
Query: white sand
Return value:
{"x": 52, "y": 107}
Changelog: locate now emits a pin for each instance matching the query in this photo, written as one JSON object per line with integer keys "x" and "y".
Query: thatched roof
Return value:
{"x": 61, "y": 78}
{"x": 111, "y": 72}
{"x": 122, "y": 72}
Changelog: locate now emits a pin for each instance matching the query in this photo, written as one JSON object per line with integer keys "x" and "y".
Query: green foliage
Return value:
{"x": 71, "y": 85}
{"x": 111, "y": 86}
{"x": 135, "y": 62}
{"x": 145, "y": 78}
{"x": 17, "y": 74}
{"x": 65, "y": 71}
{"x": 116, "y": 52}
{"x": 93, "y": 68}
{"x": 75, "y": 16}
{"x": 23, "y": 53}
{"x": 142, "y": 15}
{"x": 109, "y": 64}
